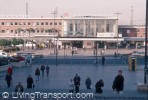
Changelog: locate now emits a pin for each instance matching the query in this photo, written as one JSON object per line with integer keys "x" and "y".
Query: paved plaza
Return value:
{"x": 59, "y": 76}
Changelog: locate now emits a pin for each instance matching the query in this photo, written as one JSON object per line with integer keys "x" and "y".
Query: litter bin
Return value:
{"x": 132, "y": 63}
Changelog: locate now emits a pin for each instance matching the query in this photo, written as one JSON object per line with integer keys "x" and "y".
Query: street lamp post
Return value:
{"x": 55, "y": 46}
{"x": 146, "y": 26}
{"x": 96, "y": 53}
{"x": 57, "y": 49}
{"x": 117, "y": 13}
{"x": 54, "y": 16}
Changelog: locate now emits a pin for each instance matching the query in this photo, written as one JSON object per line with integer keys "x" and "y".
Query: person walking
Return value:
{"x": 88, "y": 83}
{"x": 99, "y": 86}
{"x": 42, "y": 69}
{"x": 103, "y": 60}
{"x": 29, "y": 82}
{"x": 118, "y": 83}
{"x": 72, "y": 52}
{"x": 19, "y": 88}
{"x": 115, "y": 54}
{"x": 37, "y": 74}
{"x": 8, "y": 79}
{"x": 47, "y": 70}
{"x": 71, "y": 86}
{"x": 77, "y": 83}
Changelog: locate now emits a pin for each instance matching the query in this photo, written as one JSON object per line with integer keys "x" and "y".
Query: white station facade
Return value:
{"x": 78, "y": 31}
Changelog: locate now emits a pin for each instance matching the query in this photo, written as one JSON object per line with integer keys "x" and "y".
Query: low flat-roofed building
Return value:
{"x": 85, "y": 26}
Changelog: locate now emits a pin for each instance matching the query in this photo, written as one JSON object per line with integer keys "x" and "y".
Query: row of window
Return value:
{"x": 14, "y": 31}
{"x": 29, "y": 23}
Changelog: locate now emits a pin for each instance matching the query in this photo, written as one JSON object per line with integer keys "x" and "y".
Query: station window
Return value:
{"x": 71, "y": 27}
{"x": 38, "y": 31}
{"x": 46, "y": 31}
{"x": 20, "y": 23}
{"x": 24, "y": 23}
{"x": 29, "y": 23}
{"x": 128, "y": 31}
{"x": 42, "y": 31}
{"x": 55, "y": 23}
{"x": 60, "y": 23}
{"x": 50, "y": 23}
{"x": 42, "y": 23}
{"x": 11, "y": 23}
{"x": 37, "y": 23}
{"x": 3, "y": 23}
{"x": 15, "y": 23}
{"x": 11, "y": 31}
{"x": 3, "y": 31}
{"x": 107, "y": 28}
{"x": 46, "y": 23}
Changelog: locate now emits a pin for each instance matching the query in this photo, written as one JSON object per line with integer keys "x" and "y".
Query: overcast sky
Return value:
{"x": 38, "y": 8}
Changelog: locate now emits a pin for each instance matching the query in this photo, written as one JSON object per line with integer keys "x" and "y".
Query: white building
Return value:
{"x": 76, "y": 31}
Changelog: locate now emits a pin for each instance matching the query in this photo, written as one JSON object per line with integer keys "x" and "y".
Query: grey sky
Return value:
{"x": 38, "y": 8}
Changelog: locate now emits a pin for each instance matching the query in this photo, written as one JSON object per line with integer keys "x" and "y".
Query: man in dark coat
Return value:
{"x": 118, "y": 83}
{"x": 37, "y": 74}
{"x": 88, "y": 83}
{"x": 8, "y": 79}
{"x": 42, "y": 69}
{"x": 19, "y": 88}
{"x": 47, "y": 70}
{"x": 77, "y": 83}
{"x": 29, "y": 82}
{"x": 103, "y": 60}
{"x": 99, "y": 86}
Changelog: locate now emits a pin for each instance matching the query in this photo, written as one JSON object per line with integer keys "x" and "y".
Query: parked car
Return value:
{"x": 12, "y": 59}
{"x": 3, "y": 54}
{"x": 138, "y": 53}
{"x": 20, "y": 58}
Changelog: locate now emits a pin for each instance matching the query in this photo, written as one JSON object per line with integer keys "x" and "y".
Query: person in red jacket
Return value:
{"x": 10, "y": 70}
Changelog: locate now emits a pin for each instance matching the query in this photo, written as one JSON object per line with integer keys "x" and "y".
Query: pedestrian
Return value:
{"x": 9, "y": 70}
{"x": 19, "y": 88}
{"x": 115, "y": 55}
{"x": 47, "y": 70}
{"x": 84, "y": 48}
{"x": 72, "y": 52}
{"x": 103, "y": 60}
{"x": 8, "y": 79}
{"x": 77, "y": 83}
{"x": 99, "y": 86}
{"x": 101, "y": 52}
{"x": 28, "y": 61}
{"x": 42, "y": 69}
{"x": 71, "y": 86}
{"x": 76, "y": 50}
{"x": 118, "y": 83}
{"x": 37, "y": 74}
{"x": 88, "y": 83}
{"x": 30, "y": 82}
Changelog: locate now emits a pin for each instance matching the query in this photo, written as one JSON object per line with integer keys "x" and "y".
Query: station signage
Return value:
{"x": 105, "y": 34}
